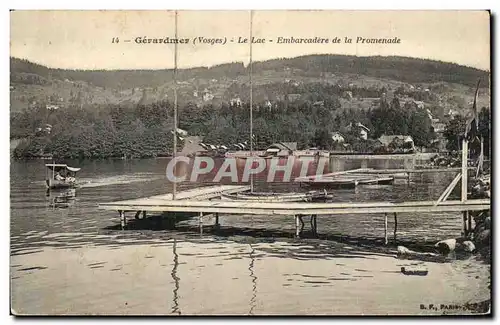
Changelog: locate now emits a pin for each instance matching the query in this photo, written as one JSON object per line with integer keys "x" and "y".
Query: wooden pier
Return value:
{"x": 208, "y": 200}
{"x": 200, "y": 193}
{"x": 205, "y": 201}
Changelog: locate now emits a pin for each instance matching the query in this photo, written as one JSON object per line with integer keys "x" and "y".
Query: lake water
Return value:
{"x": 72, "y": 258}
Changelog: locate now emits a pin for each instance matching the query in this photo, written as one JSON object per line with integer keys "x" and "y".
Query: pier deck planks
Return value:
{"x": 293, "y": 208}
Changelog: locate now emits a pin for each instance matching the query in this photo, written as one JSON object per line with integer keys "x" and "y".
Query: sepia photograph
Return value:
{"x": 250, "y": 163}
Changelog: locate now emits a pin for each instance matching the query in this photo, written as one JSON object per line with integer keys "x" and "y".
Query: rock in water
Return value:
{"x": 422, "y": 272}
{"x": 468, "y": 246}
{"x": 404, "y": 251}
{"x": 446, "y": 246}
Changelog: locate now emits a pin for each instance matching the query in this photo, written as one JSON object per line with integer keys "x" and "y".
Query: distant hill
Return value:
{"x": 399, "y": 68}
{"x": 35, "y": 83}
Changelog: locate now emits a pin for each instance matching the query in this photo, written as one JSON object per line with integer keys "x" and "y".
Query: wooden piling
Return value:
{"x": 386, "y": 241}
{"x": 217, "y": 220}
{"x": 395, "y": 226}
{"x": 469, "y": 223}
{"x": 137, "y": 214}
{"x": 200, "y": 221}
{"x": 465, "y": 223}
{"x": 297, "y": 226}
{"x": 144, "y": 215}
{"x": 123, "y": 219}
{"x": 301, "y": 223}
{"x": 314, "y": 225}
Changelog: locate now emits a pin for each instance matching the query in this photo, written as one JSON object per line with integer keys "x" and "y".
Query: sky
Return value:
{"x": 83, "y": 39}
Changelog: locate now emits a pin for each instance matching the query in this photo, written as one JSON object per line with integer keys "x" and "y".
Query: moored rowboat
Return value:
{"x": 276, "y": 197}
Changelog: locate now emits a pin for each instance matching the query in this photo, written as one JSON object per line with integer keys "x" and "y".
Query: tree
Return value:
{"x": 420, "y": 128}
{"x": 485, "y": 128}
{"x": 322, "y": 139}
{"x": 454, "y": 131}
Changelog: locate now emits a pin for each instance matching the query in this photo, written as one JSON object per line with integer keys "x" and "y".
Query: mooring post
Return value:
{"x": 386, "y": 241}
{"x": 143, "y": 214}
{"x": 123, "y": 219}
{"x": 395, "y": 226}
{"x": 200, "y": 220}
{"x": 137, "y": 214}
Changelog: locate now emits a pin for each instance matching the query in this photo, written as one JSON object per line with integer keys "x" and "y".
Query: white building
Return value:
{"x": 337, "y": 137}
{"x": 235, "y": 102}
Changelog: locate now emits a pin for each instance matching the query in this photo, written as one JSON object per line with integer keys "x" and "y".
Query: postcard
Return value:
{"x": 251, "y": 162}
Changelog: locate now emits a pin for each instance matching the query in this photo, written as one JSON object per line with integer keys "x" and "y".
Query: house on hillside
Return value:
{"x": 293, "y": 97}
{"x": 235, "y": 102}
{"x": 282, "y": 148}
{"x": 398, "y": 143}
{"x": 420, "y": 104}
{"x": 207, "y": 95}
{"x": 360, "y": 129}
{"x": 347, "y": 95}
{"x": 451, "y": 113}
{"x": 182, "y": 132}
{"x": 438, "y": 126}
{"x": 337, "y": 137}
{"x": 193, "y": 147}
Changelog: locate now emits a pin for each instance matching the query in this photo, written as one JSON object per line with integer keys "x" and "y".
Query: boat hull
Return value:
{"x": 54, "y": 185}
{"x": 276, "y": 197}
{"x": 331, "y": 185}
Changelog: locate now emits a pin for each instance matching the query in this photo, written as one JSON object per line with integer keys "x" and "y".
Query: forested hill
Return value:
{"x": 116, "y": 113}
{"x": 403, "y": 69}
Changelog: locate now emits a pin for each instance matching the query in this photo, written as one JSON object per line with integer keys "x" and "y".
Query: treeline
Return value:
{"x": 455, "y": 129}
{"x": 145, "y": 130}
{"x": 90, "y": 133}
{"x": 398, "y": 68}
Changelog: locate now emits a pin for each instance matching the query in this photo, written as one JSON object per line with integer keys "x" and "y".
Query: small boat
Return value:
{"x": 312, "y": 196}
{"x": 60, "y": 176}
{"x": 348, "y": 181}
{"x": 332, "y": 183}
{"x": 377, "y": 181}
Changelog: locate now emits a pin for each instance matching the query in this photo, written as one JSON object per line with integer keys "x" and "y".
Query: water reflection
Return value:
{"x": 175, "y": 308}
{"x": 61, "y": 198}
{"x": 254, "y": 280}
